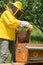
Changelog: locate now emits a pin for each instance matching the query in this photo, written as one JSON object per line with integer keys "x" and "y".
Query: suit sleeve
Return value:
{"x": 10, "y": 20}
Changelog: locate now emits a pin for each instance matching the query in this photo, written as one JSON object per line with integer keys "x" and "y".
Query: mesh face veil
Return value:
{"x": 17, "y": 12}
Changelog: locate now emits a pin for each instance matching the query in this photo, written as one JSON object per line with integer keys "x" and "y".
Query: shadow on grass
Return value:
{"x": 37, "y": 39}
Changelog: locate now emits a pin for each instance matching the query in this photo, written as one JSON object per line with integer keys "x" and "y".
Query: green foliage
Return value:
{"x": 3, "y": 4}
{"x": 22, "y": 28}
{"x": 33, "y": 12}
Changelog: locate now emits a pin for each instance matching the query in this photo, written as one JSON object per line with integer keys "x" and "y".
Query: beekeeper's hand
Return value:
{"x": 27, "y": 24}
{"x": 30, "y": 27}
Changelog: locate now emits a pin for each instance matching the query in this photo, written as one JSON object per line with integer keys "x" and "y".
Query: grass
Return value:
{"x": 37, "y": 37}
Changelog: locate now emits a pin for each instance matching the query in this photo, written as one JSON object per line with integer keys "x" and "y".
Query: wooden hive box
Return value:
{"x": 29, "y": 53}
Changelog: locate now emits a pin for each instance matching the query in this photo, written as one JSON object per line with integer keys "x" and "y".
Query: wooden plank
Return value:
{"x": 12, "y": 64}
{"x": 30, "y": 44}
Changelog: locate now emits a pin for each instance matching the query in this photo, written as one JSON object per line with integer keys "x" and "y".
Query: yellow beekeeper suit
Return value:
{"x": 9, "y": 21}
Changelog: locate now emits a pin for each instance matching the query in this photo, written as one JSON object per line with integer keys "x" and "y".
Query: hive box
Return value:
{"x": 29, "y": 53}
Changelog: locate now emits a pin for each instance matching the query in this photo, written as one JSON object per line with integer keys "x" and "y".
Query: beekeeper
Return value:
{"x": 8, "y": 23}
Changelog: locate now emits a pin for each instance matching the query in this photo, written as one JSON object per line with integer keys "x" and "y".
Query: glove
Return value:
{"x": 24, "y": 23}
{"x": 30, "y": 27}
